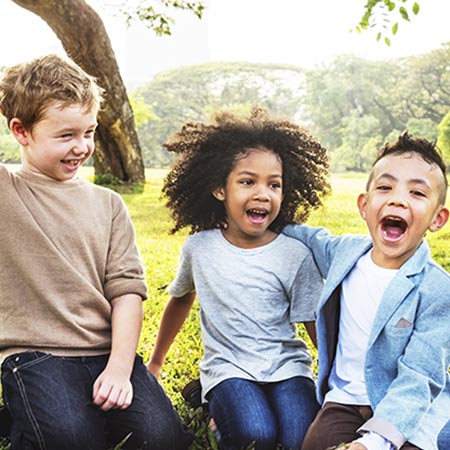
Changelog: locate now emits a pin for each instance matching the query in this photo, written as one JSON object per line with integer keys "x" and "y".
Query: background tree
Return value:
{"x": 118, "y": 148}
{"x": 192, "y": 93}
{"x": 444, "y": 137}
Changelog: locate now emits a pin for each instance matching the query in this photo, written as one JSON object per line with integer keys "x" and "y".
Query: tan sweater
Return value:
{"x": 66, "y": 250}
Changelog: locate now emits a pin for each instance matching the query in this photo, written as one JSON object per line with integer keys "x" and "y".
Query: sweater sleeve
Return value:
{"x": 124, "y": 270}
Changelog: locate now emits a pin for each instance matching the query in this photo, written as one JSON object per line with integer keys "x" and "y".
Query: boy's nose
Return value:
{"x": 398, "y": 199}
{"x": 80, "y": 148}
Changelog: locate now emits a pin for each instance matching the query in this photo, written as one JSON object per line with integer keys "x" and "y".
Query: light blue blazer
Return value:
{"x": 406, "y": 374}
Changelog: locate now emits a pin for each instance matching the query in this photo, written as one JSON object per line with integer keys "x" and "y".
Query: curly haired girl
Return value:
{"x": 236, "y": 184}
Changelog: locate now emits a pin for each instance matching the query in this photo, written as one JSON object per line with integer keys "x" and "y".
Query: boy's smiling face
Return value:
{"x": 402, "y": 202}
{"x": 60, "y": 143}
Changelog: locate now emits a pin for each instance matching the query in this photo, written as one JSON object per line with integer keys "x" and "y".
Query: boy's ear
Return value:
{"x": 440, "y": 220}
{"x": 362, "y": 205}
{"x": 219, "y": 194}
{"x": 19, "y": 131}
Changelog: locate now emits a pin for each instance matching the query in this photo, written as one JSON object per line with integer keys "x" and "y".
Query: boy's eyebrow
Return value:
{"x": 412, "y": 180}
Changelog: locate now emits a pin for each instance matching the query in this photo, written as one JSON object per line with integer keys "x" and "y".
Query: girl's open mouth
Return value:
{"x": 256, "y": 215}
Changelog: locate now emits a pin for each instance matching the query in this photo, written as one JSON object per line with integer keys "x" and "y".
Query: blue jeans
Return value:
{"x": 264, "y": 413}
{"x": 50, "y": 401}
{"x": 444, "y": 438}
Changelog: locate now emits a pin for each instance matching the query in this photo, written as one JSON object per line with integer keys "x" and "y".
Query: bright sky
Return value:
{"x": 298, "y": 32}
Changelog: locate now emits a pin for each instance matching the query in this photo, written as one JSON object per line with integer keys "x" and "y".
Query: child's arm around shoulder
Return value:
{"x": 321, "y": 243}
{"x": 113, "y": 388}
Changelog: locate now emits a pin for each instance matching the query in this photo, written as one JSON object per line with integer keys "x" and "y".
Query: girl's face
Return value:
{"x": 252, "y": 198}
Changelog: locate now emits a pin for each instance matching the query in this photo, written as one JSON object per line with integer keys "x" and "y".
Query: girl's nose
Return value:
{"x": 262, "y": 195}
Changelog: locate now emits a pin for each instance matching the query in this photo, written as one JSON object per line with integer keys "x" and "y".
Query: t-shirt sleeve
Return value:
{"x": 183, "y": 283}
{"x": 305, "y": 291}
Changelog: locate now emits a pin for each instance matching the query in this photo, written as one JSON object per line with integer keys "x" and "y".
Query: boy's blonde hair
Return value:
{"x": 28, "y": 89}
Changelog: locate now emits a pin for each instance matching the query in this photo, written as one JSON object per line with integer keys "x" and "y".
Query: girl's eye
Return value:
{"x": 383, "y": 187}
{"x": 246, "y": 182}
{"x": 418, "y": 193}
{"x": 90, "y": 133}
{"x": 275, "y": 185}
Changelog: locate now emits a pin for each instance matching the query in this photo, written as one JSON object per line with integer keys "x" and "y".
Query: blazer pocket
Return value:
{"x": 403, "y": 323}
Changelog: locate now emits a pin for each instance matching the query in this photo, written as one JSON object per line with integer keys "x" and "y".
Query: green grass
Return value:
{"x": 160, "y": 251}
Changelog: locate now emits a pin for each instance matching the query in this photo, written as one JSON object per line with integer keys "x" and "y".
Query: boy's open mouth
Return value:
{"x": 257, "y": 215}
{"x": 71, "y": 162}
{"x": 393, "y": 227}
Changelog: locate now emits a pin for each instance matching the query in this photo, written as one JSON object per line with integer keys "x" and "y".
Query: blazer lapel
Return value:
{"x": 398, "y": 289}
{"x": 343, "y": 263}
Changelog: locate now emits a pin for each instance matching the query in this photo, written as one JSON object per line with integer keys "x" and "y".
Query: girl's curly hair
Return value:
{"x": 208, "y": 153}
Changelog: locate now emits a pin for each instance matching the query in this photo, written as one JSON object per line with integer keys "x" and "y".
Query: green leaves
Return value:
{"x": 378, "y": 14}
{"x": 159, "y": 20}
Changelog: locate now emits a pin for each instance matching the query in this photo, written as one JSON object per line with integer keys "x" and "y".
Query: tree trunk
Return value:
{"x": 84, "y": 38}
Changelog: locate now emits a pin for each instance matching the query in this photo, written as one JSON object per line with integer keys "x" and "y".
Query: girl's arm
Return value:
{"x": 113, "y": 388}
{"x": 175, "y": 314}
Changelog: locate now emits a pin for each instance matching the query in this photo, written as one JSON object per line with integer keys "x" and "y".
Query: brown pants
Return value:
{"x": 336, "y": 423}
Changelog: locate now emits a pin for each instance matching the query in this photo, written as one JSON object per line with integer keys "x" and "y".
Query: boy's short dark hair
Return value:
{"x": 27, "y": 89}
{"x": 426, "y": 149}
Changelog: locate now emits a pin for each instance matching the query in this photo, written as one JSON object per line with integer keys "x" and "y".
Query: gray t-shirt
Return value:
{"x": 250, "y": 300}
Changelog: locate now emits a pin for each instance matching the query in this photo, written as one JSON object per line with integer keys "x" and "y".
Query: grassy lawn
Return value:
{"x": 160, "y": 251}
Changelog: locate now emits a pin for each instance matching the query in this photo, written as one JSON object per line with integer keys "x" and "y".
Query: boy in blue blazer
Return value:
{"x": 384, "y": 314}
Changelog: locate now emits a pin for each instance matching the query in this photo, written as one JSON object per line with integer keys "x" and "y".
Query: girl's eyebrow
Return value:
{"x": 249, "y": 172}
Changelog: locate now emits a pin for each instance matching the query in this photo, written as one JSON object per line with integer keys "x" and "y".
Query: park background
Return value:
{"x": 295, "y": 58}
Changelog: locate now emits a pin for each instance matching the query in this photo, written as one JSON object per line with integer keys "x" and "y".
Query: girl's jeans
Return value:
{"x": 444, "y": 438}
{"x": 264, "y": 413}
{"x": 50, "y": 401}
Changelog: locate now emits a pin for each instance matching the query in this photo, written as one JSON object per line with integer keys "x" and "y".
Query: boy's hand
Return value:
{"x": 112, "y": 390}
{"x": 356, "y": 446}
{"x": 350, "y": 446}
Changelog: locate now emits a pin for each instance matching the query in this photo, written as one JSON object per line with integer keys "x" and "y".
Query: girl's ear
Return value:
{"x": 19, "y": 131}
{"x": 219, "y": 194}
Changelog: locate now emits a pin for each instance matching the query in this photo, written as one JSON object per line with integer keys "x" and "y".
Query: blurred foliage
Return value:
{"x": 352, "y": 105}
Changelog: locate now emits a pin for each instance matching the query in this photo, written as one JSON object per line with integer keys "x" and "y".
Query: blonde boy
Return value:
{"x": 71, "y": 280}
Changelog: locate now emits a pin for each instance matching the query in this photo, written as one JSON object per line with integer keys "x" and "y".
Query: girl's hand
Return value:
{"x": 154, "y": 368}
